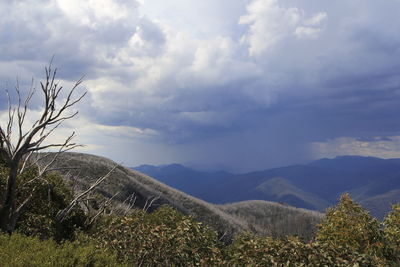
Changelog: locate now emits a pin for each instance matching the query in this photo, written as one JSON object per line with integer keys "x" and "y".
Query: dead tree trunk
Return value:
{"x": 18, "y": 144}
{"x": 9, "y": 203}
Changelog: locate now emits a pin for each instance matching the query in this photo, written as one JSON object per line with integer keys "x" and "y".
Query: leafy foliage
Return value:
{"x": 49, "y": 195}
{"x": 165, "y": 237}
{"x": 249, "y": 250}
{"x": 19, "y": 251}
{"x": 392, "y": 230}
{"x": 347, "y": 236}
{"x": 348, "y": 226}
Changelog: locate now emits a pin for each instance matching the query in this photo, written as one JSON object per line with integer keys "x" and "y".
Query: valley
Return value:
{"x": 373, "y": 182}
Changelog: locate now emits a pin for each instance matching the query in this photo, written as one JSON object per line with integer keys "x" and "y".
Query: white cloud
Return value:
{"x": 96, "y": 13}
{"x": 311, "y": 27}
{"x": 316, "y": 20}
{"x": 378, "y": 147}
{"x": 270, "y": 22}
{"x": 307, "y": 32}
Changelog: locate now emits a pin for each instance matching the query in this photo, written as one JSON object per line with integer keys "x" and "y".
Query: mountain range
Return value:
{"x": 373, "y": 182}
{"x": 124, "y": 185}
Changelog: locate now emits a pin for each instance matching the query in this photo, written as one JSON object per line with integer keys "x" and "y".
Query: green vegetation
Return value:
{"x": 392, "y": 229}
{"x": 19, "y": 250}
{"x": 163, "y": 238}
{"x": 249, "y": 250}
{"x": 49, "y": 195}
{"x": 349, "y": 226}
{"x": 346, "y": 236}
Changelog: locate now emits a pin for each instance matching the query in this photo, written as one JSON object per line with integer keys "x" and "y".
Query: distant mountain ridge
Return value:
{"x": 176, "y": 176}
{"x": 374, "y": 182}
{"x": 80, "y": 170}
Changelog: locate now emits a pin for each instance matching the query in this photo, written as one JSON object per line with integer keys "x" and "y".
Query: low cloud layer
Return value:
{"x": 240, "y": 84}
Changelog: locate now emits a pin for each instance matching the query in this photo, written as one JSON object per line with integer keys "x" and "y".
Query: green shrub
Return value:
{"x": 249, "y": 250}
{"x": 348, "y": 225}
{"x": 50, "y": 195}
{"x": 19, "y": 250}
{"x": 392, "y": 231}
{"x": 163, "y": 238}
{"x": 347, "y": 236}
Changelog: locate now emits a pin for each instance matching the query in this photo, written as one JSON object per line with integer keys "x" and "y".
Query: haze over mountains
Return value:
{"x": 373, "y": 182}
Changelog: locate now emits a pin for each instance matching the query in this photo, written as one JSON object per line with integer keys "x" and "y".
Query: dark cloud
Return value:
{"x": 33, "y": 33}
{"x": 220, "y": 82}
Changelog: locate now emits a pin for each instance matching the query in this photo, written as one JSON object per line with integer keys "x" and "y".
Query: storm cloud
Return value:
{"x": 236, "y": 84}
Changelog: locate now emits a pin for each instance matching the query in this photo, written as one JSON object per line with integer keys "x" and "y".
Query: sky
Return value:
{"x": 238, "y": 85}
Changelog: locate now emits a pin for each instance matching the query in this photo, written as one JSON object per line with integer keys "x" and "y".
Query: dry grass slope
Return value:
{"x": 274, "y": 219}
{"x": 262, "y": 217}
{"x": 84, "y": 169}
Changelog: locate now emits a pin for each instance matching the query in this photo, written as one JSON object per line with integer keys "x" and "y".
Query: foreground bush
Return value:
{"x": 19, "y": 250}
{"x": 49, "y": 195}
{"x": 392, "y": 230}
{"x": 249, "y": 250}
{"x": 348, "y": 236}
{"x": 163, "y": 238}
{"x": 349, "y": 227}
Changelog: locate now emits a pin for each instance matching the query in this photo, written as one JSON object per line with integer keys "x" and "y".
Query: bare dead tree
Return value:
{"x": 107, "y": 203}
{"x": 62, "y": 214}
{"x": 19, "y": 142}
{"x": 149, "y": 202}
{"x": 129, "y": 203}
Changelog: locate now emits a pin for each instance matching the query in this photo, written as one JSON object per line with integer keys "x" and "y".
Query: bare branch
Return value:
{"x": 11, "y": 113}
{"x": 17, "y": 145}
{"x": 148, "y": 204}
{"x": 25, "y": 161}
{"x": 22, "y": 113}
{"x": 102, "y": 208}
{"x": 129, "y": 202}
{"x": 63, "y": 213}
{"x": 20, "y": 209}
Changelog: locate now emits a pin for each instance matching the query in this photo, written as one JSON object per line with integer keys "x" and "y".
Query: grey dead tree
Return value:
{"x": 82, "y": 197}
{"x": 20, "y": 144}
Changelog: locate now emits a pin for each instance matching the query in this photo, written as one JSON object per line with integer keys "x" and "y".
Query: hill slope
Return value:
{"x": 193, "y": 182}
{"x": 373, "y": 182}
{"x": 82, "y": 169}
{"x": 274, "y": 219}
